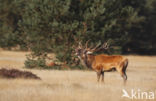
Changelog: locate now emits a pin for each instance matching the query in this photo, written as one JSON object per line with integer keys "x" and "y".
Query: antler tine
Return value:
{"x": 86, "y": 46}
{"x": 103, "y": 46}
{"x": 94, "y": 48}
{"x": 80, "y": 45}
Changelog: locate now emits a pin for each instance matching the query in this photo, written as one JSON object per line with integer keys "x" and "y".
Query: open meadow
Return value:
{"x": 76, "y": 85}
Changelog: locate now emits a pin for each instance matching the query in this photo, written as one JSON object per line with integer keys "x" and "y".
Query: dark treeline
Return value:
{"x": 57, "y": 26}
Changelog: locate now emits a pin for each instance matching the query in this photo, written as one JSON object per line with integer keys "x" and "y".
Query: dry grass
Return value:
{"x": 76, "y": 85}
{"x": 12, "y": 59}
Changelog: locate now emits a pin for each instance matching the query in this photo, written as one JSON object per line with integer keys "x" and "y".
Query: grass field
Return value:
{"x": 76, "y": 85}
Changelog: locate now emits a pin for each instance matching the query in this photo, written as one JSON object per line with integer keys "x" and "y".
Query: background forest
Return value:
{"x": 56, "y": 26}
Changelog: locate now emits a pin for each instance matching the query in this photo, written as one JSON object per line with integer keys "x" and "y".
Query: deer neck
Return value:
{"x": 82, "y": 60}
{"x": 89, "y": 60}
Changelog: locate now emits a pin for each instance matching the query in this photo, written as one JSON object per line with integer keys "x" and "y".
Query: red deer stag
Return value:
{"x": 102, "y": 62}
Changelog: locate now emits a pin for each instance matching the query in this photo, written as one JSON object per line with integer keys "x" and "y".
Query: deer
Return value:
{"x": 101, "y": 63}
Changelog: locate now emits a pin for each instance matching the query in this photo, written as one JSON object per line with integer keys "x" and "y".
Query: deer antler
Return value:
{"x": 103, "y": 46}
{"x": 86, "y": 46}
{"x": 94, "y": 48}
{"x": 80, "y": 45}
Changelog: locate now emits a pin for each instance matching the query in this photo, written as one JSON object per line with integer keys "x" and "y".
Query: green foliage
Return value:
{"x": 32, "y": 63}
{"x": 10, "y": 14}
{"x": 45, "y": 26}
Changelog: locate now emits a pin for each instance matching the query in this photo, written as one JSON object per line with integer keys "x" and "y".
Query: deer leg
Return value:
{"x": 98, "y": 75}
{"x": 123, "y": 66}
{"x": 123, "y": 74}
{"x": 102, "y": 73}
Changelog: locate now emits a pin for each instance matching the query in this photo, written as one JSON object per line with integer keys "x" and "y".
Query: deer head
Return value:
{"x": 83, "y": 52}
